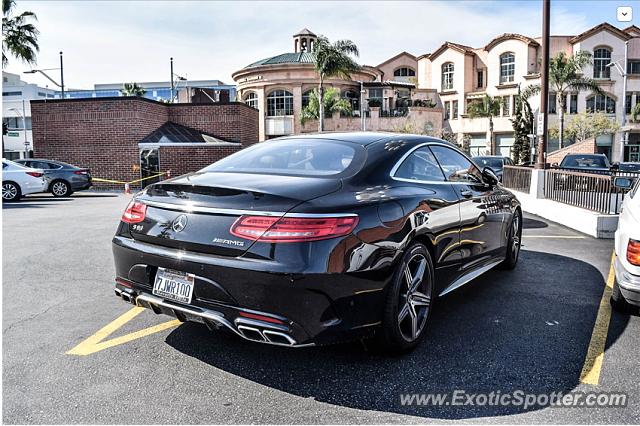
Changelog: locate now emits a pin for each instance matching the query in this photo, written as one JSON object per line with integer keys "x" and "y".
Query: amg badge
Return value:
{"x": 234, "y": 243}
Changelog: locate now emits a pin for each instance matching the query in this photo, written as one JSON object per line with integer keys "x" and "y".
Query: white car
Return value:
{"x": 626, "y": 288}
{"x": 18, "y": 180}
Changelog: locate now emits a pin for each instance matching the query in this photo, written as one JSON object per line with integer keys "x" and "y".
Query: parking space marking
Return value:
{"x": 568, "y": 237}
{"x": 97, "y": 342}
{"x": 595, "y": 354}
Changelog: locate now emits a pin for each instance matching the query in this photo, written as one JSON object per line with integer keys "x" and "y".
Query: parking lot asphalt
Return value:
{"x": 528, "y": 329}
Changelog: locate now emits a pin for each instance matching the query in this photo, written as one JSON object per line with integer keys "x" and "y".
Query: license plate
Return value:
{"x": 174, "y": 285}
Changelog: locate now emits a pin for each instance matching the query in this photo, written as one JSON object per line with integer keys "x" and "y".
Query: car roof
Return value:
{"x": 362, "y": 138}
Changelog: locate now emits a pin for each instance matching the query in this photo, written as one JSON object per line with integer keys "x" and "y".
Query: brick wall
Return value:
{"x": 588, "y": 146}
{"x": 180, "y": 160}
{"x": 103, "y": 133}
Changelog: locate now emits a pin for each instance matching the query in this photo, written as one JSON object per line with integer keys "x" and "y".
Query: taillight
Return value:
{"x": 80, "y": 172}
{"x": 35, "y": 174}
{"x": 292, "y": 229}
{"x": 134, "y": 212}
{"x": 633, "y": 252}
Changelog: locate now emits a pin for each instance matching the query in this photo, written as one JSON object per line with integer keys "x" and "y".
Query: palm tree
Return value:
{"x": 565, "y": 74}
{"x": 489, "y": 107}
{"x": 132, "y": 89}
{"x": 19, "y": 37}
{"x": 332, "y": 101}
{"x": 332, "y": 60}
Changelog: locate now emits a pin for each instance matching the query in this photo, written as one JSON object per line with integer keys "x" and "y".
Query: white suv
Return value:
{"x": 626, "y": 288}
{"x": 18, "y": 180}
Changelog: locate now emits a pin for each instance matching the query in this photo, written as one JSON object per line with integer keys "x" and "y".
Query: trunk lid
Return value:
{"x": 196, "y": 212}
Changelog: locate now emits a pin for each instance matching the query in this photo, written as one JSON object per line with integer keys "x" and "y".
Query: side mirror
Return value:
{"x": 554, "y": 164}
{"x": 490, "y": 176}
{"x": 623, "y": 182}
{"x": 615, "y": 166}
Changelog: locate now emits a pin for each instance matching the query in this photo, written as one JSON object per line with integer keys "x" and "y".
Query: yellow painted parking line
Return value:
{"x": 567, "y": 237}
{"x": 96, "y": 342}
{"x": 595, "y": 354}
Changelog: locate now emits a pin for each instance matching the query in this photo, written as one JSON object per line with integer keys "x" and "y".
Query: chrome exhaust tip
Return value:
{"x": 251, "y": 333}
{"x": 278, "y": 338}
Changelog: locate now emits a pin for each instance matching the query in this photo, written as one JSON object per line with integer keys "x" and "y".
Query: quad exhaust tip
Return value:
{"x": 265, "y": 336}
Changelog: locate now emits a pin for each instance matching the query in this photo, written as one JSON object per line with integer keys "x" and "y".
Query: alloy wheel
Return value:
{"x": 414, "y": 298}
{"x": 515, "y": 235}
{"x": 59, "y": 188}
{"x": 9, "y": 191}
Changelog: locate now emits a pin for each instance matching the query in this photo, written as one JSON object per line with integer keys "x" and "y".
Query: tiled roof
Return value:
{"x": 285, "y": 58}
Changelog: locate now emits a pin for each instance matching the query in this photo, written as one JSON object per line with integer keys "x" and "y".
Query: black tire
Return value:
{"x": 514, "y": 241}
{"x": 618, "y": 302}
{"x": 60, "y": 188}
{"x": 403, "y": 334}
{"x": 11, "y": 191}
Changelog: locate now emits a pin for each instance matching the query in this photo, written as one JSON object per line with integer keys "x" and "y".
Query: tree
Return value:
{"x": 591, "y": 125}
{"x": 333, "y": 103}
{"x": 132, "y": 89}
{"x": 488, "y": 107}
{"x": 565, "y": 75}
{"x": 332, "y": 60}
{"x": 19, "y": 36}
{"x": 522, "y": 123}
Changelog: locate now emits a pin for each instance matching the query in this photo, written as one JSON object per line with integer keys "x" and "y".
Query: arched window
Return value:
{"x": 507, "y": 67}
{"x": 252, "y": 100}
{"x": 601, "y": 103}
{"x": 447, "y": 76}
{"x": 305, "y": 98}
{"x": 404, "y": 72}
{"x": 601, "y": 58}
{"x": 279, "y": 103}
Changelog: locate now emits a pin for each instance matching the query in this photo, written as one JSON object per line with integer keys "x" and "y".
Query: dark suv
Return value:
{"x": 596, "y": 163}
{"x": 63, "y": 179}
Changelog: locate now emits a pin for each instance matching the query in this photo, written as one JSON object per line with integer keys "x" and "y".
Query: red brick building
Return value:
{"x": 126, "y": 138}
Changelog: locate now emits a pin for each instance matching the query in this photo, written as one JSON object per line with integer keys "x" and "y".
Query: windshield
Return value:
{"x": 301, "y": 157}
{"x": 492, "y": 162}
{"x": 585, "y": 162}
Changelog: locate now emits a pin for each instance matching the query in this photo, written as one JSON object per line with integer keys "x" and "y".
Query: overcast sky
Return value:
{"x": 117, "y": 41}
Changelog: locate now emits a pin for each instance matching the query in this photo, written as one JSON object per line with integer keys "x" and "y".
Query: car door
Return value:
{"x": 434, "y": 207}
{"x": 481, "y": 214}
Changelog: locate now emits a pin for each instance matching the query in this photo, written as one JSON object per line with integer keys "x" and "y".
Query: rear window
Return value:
{"x": 585, "y": 162}
{"x": 296, "y": 157}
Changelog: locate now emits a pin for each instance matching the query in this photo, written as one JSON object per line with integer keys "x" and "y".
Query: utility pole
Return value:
{"x": 171, "y": 80}
{"x": 624, "y": 105}
{"x": 544, "y": 85}
{"x": 61, "y": 76}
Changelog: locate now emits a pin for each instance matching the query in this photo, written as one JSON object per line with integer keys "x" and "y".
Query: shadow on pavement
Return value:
{"x": 526, "y": 329}
{"x": 529, "y": 223}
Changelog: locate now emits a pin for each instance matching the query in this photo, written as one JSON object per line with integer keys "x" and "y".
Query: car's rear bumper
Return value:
{"x": 629, "y": 283}
{"x": 33, "y": 187}
{"x": 311, "y": 308}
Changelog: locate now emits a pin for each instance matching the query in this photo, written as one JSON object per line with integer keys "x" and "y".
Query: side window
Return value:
{"x": 456, "y": 167}
{"x": 421, "y": 165}
{"x": 4, "y": 166}
{"x": 54, "y": 166}
{"x": 39, "y": 165}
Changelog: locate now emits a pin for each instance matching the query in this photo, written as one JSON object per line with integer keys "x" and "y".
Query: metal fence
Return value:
{"x": 517, "y": 177}
{"x": 591, "y": 191}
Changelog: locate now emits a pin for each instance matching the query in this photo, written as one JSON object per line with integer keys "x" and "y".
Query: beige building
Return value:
{"x": 462, "y": 74}
{"x": 382, "y": 97}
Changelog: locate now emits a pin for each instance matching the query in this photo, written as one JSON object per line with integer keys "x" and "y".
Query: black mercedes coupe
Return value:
{"x": 317, "y": 239}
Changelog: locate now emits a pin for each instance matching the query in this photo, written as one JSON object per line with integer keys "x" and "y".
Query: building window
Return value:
{"x": 573, "y": 103}
{"x": 447, "y": 105}
{"x": 454, "y": 106}
{"x": 375, "y": 97}
{"x": 505, "y": 105}
{"x": 252, "y": 100}
{"x": 11, "y": 93}
{"x": 447, "y": 76}
{"x": 553, "y": 103}
{"x": 480, "y": 79}
{"x": 279, "y": 103}
{"x": 404, "y": 72}
{"x": 507, "y": 67}
{"x": 305, "y": 98}
{"x": 601, "y": 58}
{"x": 627, "y": 103}
{"x": 633, "y": 66}
{"x": 601, "y": 103}
{"x": 354, "y": 100}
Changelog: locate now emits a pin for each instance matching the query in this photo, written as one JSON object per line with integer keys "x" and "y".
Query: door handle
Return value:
{"x": 466, "y": 193}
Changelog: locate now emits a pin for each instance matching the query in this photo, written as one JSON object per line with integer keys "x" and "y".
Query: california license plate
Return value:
{"x": 174, "y": 285}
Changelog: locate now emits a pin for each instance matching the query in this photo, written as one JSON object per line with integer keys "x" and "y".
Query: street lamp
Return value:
{"x": 623, "y": 72}
{"x": 24, "y": 128}
{"x": 42, "y": 71}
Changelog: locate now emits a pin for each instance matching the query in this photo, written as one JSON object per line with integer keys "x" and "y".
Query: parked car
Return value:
{"x": 626, "y": 287}
{"x": 314, "y": 239}
{"x": 628, "y": 167}
{"x": 18, "y": 180}
{"x": 495, "y": 162}
{"x": 595, "y": 163}
{"x": 63, "y": 179}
